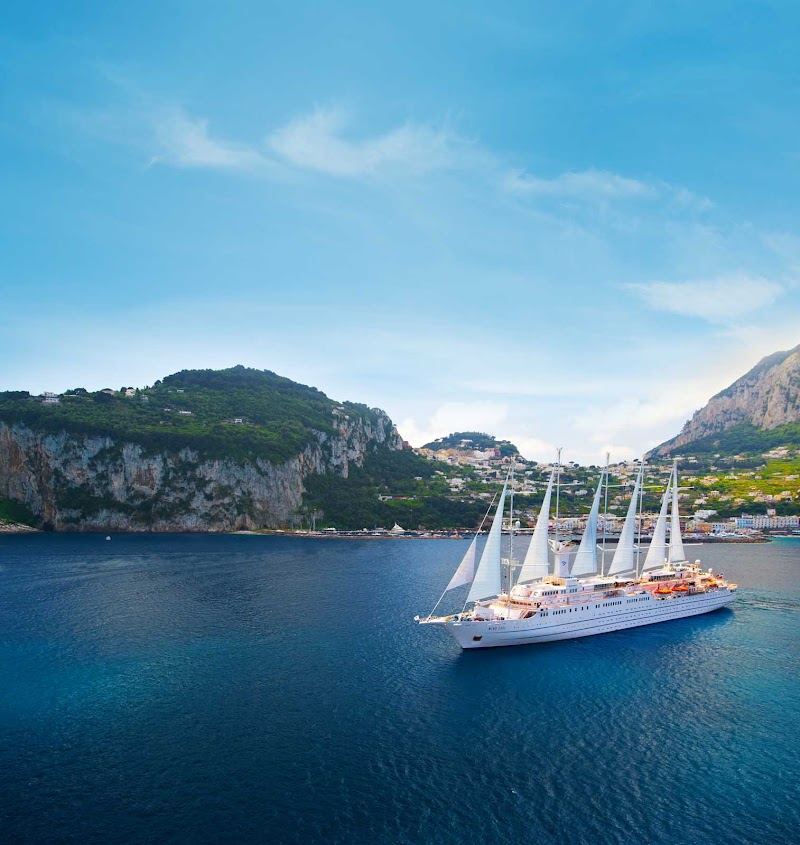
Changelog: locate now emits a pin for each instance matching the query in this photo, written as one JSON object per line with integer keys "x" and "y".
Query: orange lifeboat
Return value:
{"x": 663, "y": 591}
{"x": 680, "y": 588}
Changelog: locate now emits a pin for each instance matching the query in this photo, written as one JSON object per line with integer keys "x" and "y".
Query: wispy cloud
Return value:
{"x": 720, "y": 300}
{"x": 318, "y": 141}
{"x": 578, "y": 184}
{"x": 601, "y": 186}
{"x": 186, "y": 142}
{"x": 323, "y": 141}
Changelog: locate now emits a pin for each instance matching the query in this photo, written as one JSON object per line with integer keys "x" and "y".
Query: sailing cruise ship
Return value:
{"x": 577, "y": 598}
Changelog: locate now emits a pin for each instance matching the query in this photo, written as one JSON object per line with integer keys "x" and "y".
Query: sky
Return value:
{"x": 563, "y": 224}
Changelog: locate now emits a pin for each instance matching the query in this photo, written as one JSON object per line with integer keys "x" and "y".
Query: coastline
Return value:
{"x": 17, "y": 528}
{"x": 464, "y": 535}
{"x": 460, "y": 534}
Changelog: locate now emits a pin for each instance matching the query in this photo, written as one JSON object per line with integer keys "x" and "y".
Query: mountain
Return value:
{"x": 205, "y": 450}
{"x": 468, "y": 441}
{"x": 759, "y": 411}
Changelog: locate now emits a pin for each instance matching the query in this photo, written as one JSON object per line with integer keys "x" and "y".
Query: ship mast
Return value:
{"x": 605, "y": 519}
{"x": 558, "y": 489}
{"x": 511, "y": 538}
{"x": 641, "y": 520}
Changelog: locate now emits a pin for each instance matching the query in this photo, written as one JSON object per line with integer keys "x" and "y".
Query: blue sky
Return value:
{"x": 567, "y": 224}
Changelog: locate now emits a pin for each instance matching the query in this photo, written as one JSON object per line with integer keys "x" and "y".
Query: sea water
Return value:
{"x": 247, "y": 689}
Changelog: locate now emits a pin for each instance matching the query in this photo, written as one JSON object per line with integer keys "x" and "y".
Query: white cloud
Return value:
{"x": 603, "y": 423}
{"x": 686, "y": 198}
{"x": 584, "y": 184}
{"x": 602, "y": 186}
{"x": 646, "y": 419}
{"x": 185, "y": 142}
{"x": 720, "y": 300}
{"x": 316, "y": 142}
{"x": 454, "y": 416}
{"x": 534, "y": 449}
{"x": 786, "y": 246}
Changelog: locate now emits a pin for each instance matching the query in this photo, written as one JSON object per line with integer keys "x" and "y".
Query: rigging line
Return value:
{"x": 485, "y": 517}
{"x": 511, "y": 536}
{"x": 558, "y": 491}
{"x": 641, "y": 520}
{"x": 480, "y": 528}
{"x": 605, "y": 518}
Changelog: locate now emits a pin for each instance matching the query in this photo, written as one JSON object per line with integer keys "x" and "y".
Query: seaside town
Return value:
{"x": 705, "y": 498}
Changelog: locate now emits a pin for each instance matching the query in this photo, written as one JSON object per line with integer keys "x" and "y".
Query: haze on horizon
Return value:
{"x": 561, "y": 227}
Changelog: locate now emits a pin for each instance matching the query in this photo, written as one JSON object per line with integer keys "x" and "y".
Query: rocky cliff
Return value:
{"x": 766, "y": 397}
{"x": 90, "y": 482}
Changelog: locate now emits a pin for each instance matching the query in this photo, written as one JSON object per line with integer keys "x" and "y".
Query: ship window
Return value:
{"x": 477, "y": 639}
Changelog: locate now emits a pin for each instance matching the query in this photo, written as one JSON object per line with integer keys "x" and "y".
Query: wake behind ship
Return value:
{"x": 578, "y": 600}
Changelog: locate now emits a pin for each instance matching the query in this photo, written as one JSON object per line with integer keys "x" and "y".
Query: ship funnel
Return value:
{"x": 561, "y": 552}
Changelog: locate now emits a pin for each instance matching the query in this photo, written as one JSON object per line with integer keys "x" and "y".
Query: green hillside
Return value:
{"x": 277, "y": 416}
{"x": 742, "y": 439}
{"x": 391, "y": 487}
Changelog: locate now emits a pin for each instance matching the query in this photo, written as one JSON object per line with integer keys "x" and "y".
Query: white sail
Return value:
{"x": 585, "y": 562}
{"x": 676, "y": 552}
{"x": 623, "y": 556}
{"x": 536, "y": 566}
{"x": 465, "y": 573}
{"x": 488, "y": 578}
{"x": 657, "y": 553}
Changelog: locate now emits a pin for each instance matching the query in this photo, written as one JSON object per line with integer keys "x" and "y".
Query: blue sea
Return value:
{"x": 246, "y": 689}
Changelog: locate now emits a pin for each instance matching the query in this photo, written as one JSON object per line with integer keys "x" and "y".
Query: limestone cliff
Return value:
{"x": 89, "y": 482}
{"x": 766, "y": 397}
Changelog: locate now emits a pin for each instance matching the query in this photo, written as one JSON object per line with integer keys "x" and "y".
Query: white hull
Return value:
{"x": 600, "y": 617}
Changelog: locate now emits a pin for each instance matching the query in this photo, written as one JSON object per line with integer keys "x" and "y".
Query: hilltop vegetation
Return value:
{"x": 466, "y": 440}
{"x": 238, "y": 413}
